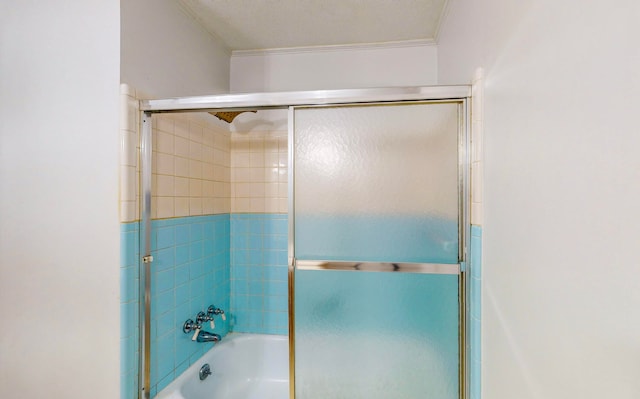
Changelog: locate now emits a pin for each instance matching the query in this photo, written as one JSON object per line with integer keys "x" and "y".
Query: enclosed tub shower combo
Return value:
{"x": 326, "y": 258}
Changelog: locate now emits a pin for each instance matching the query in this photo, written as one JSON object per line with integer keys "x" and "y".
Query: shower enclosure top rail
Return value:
{"x": 254, "y": 101}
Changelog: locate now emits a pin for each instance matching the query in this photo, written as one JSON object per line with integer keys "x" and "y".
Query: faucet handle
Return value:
{"x": 195, "y": 334}
{"x": 201, "y": 317}
{"x": 190, "y": 325}
{"x": 212, "y": 310}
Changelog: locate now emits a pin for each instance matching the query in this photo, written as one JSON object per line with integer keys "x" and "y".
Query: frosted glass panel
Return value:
{"x": 377, "y": 183}
{"x": 375, "y": 335}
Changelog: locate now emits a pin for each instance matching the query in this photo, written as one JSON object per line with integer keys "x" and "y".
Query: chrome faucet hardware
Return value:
{"x": 203, "y": 317}
{"x": 206, "y": 336}
{"x": 205, "y": 371}
{"x": 196, "y": 326}
{"x": 212, "y": 310}
{"x": 190, "y": 325}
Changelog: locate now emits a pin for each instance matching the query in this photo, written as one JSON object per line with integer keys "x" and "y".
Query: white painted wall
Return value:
{"x": 59, "y": 237}
{"x": 334, "y": 68}
{"x": 165, "y": 53}
{"x": 562, "y": 182}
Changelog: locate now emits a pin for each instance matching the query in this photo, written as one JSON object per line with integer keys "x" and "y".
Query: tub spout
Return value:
{"x": 206, "y": 336}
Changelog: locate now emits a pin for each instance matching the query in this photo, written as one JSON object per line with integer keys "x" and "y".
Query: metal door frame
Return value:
{"x": 289, "y": 100}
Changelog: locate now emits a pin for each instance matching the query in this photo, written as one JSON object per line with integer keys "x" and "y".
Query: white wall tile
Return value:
{"x": 164, "y": 186}
{"x": 128, "y": 183}
{"x": 195, "y": 169}
{"x": 256, "y": 159}
{"x": 257, "y": 190}
{"x": 240, "y": 159}
{"x": 242, "y": 190}
{"x": 181, "y": 187}
{"x": 207, "y": 189}
{"x": 256, "y": 205}
{"x": 476, "y": 140}
{"x": 207, "y": 154}
{"x": 195, "y": 132}
{"x": 128, "y": 148}
{"x": 271, "y": 205}
{"x": 257, "y": 175}
{"x": 271, "y": 175}
{"x": 476, "y": 182}
{"x": 477, "y": 133}
{"x": 181, "y": 147}
{"x": 208, "y": 206}
{"x": 221, "y": 205}
{"x": 165, "y": 207}
{"x": 164, "y": 124}
{"x": 195, "y": 206}
{"x": 271, "y": 160}
{"x": 164, "y": 142}
{"x": 259, "y": 172}
{"x": 283, "y": 160}
{"x": 184, "y": 169}
{"x": 476, "y": 213}
{"x": 240, "y": 175}
{"x": 181, "y": 128}
{"x": 225, "y": 173}
{"x": 181, "y": 167}
{"x": 132, "y": 117}
{"x": 257, "y": 143}
{"x": 163, "y": 163}
{"x": 283, "y": 205}
{"x": 207, "y": 171}
{"x": 271, "y": 191}
{"x": 207, "y": 137}
{"x": 195, "y": 151}
{"x": 127, "y": 211}
{"x": 181, "y": 206}
{"x": 195, "y": 188}
{"x": 128, "y": 128}
{"x": 283, "y": 190}
{"x": 241, "y": 205}
{"x": 220, "y": 157}
{"x": 219, "y": 190}
{"x": 283, "y": 175}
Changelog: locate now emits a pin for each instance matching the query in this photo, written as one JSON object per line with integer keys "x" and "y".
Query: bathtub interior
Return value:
{"x": 243, "y": 366}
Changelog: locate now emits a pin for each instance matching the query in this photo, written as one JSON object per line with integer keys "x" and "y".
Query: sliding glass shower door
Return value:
{"x": 375, "y": 262}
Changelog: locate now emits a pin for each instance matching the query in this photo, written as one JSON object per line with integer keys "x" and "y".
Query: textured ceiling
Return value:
{"x": 269, "y": 24}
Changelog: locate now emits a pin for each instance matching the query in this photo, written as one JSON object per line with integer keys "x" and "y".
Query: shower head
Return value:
{"x": 228, "y": 116}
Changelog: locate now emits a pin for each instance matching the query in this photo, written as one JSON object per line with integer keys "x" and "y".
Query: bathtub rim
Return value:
{"x": 169, "y": 392}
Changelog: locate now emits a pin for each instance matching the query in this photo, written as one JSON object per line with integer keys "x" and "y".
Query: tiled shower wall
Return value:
{"x": 190, "y": 237}
{"x": 191, "y": 168}
{"x": 259, "y": 296}
{"x": 475, "y": 303}
{"x": 129, "y": 243}
{"x": 259, "y": 172}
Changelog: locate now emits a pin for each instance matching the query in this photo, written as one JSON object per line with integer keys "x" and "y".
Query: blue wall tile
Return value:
{"x": 189, "y": 273}
{"x": 259, "y": 292}
{"x": 237, "y": 262}
{"x": 129, "y": 254}
{"x": 475, "y": 310}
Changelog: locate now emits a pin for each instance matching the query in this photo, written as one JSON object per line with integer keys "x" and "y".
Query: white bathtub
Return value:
{"x": 244, "y": 366}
